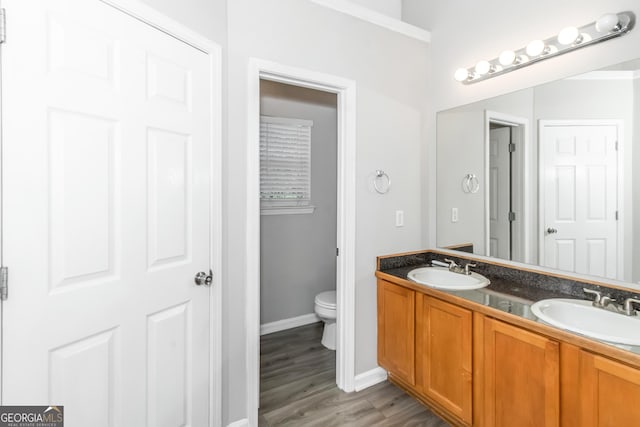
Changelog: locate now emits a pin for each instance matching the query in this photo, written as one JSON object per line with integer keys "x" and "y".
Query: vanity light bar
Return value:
{"x": 606, "y": 27}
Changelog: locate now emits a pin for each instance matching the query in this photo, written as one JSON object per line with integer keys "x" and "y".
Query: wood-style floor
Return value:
{"x": 298, "y": 388}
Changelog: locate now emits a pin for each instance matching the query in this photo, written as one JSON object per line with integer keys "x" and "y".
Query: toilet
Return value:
{"x": 325, "y": 308}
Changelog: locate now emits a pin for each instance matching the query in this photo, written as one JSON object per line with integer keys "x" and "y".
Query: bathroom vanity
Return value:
{"x": 481, "y": 357}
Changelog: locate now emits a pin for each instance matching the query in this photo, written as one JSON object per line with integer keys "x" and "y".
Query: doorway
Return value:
{"x": 501, "y": 209}
{"x": 298, "y": 177}
{"x": 345, "y": 91}
{"x": 507, "y": 195}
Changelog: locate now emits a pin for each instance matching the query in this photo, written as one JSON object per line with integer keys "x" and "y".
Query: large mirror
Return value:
{"x": 546, "y": 175}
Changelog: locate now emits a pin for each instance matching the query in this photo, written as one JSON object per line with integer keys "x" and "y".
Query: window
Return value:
{"x": 285, "y": 165}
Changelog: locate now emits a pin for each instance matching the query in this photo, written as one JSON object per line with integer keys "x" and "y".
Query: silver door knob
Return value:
{"x": 203, "y": 278}
{"x": 551, "y": 230}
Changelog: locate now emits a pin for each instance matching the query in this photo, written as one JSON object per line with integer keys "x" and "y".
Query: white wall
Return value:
{"x": 392, "y": 8}
{"x": 207, "y": 17}
{"x": 417, "y": 12}
{"x": 464, "y": 32}
{"x": 391, "y": 72}
{"x": 298, "y": 252}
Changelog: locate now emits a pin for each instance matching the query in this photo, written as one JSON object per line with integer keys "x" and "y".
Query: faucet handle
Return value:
{"x": 628, "y": 306}
{"x": 606, "y": 300}
{"x": 451, "y": 262}
{"x": 467, "y": 267}
{"x": 598, "y": 294}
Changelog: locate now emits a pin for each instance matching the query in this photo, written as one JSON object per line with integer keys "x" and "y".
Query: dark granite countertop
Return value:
{"x": 511, "y": 290}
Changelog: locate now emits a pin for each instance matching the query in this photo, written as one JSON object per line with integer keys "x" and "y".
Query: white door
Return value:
{"x": 107, "y": 150}
{"x": 499, "y": 192}
{"x": 579, "y": 178}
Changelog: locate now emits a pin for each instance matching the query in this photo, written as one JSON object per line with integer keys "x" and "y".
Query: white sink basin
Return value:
{"x": 582, "y": 317}
{"x": 442, "y": 278}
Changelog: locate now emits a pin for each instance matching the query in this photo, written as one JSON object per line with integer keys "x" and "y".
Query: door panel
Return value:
{"x": 107, "y": 150}
{"x": 444, "y": 350}
{"x": 609, "y": 392}
{"x": 522, "y": 380}
{"x": 500, "y": 193}
{"x": 396, "y": 330}
{"x": 580, "y": 173}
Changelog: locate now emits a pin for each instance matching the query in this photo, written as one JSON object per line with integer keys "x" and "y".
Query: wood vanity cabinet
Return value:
{"x": 396, "y": 333}
{"x": 521, "y": 377}
{"x": 444, "y": 355}
{"x": 474, "y": 369}
{"x": 609, "y": 392}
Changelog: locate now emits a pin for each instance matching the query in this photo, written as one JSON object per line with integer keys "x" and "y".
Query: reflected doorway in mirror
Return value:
{"x": 507, "y": 195}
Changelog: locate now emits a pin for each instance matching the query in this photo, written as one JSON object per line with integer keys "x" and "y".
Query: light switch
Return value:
{"x": 454, "y": 214}
{"x": 399, "y": 218}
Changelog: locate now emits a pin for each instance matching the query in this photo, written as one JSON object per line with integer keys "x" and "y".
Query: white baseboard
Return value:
{"x": 240, "y": 423}
{"x": 369, "y": 378}
{"x": 284, "y": 324}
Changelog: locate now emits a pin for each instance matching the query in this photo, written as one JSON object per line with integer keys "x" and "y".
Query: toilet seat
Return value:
{"x": 326, "y": 300}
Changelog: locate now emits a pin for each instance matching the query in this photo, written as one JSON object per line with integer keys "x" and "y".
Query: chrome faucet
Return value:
{"x": 467, "y": 268}
{"x": 457, "y": 268}
{"x": 600, "y": 301}
{"x": 628, "y": 306}
{"x": 453, "y": 267}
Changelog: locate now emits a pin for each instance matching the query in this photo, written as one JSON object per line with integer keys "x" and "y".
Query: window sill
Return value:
{"x": 294, "y": 210}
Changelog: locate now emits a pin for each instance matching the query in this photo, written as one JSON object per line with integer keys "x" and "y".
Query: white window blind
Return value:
{"x": 285, "y": 162}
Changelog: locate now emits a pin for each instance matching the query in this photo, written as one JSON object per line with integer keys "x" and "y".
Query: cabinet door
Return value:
{"x": 609, "y": 392}
{"x": 396, "y": 317}
{"x": 522, "y": 381}
{"x": 443, "y": 340}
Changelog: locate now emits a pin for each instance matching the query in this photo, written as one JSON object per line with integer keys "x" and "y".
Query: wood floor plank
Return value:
{"x": 330, "y": 407}
{"x": 297, "y": 388}
{"x": 273, "y": 398}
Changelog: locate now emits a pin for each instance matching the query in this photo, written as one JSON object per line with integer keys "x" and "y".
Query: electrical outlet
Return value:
{"x": 399, "y": 218}
{"x": 454, "y": 214}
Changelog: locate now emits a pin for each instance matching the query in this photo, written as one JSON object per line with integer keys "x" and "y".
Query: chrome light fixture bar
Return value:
{"x": 607, "y": 27}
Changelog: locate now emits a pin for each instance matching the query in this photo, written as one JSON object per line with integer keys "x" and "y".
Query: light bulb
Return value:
{"x": 461, "y": 74}
{"x": 507, "y": 57}
{"x": 483, "y": 67}
{"x": 607, "y": 22}
{"x": 535, "y": 48}
{"x": 568, "y": 36}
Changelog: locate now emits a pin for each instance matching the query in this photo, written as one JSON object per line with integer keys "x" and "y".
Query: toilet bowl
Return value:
{"x": 325, "y": 308}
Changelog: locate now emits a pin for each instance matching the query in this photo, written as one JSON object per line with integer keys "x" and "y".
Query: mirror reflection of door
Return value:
{"x": 579, "y": 183}
{"x": 508, "y": 192}
{"x": 500, "y": 213}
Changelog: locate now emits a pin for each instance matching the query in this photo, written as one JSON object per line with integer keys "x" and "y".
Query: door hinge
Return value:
{"x": 4, "y": 283}
{"x": 616, "y": 215}
{"x": 512, "y": 216}
{"x": 512, "y": 147}
{"x": 616, "y": 145}
{"x": 3, "y": 26}
{"x": 337, "y": 251}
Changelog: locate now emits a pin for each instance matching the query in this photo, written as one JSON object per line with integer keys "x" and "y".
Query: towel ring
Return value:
{"x": 470, "y": 183}
{"x": 382, "y": 189}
